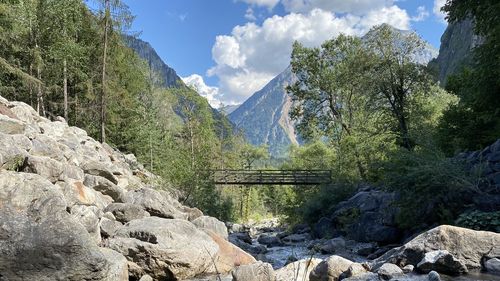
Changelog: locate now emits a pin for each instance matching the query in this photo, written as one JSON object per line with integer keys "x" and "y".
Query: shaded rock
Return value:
{"x": 388, "y": 271}
{"x": 441, "y": 261}
{"x": 466, "y": 245}
{"x": 248, "y": 247}
{"x": 39, "y": 239}
{"x": 109, "y": 227}
{"x": 258, "y": 271}
{"x": 165, "y": 248}
{"x": 433, "y": 276}
{"x": 125, "y": 212}
{"x": 88, "y": 216}
{"x": 192, "y": 213}
{"x": 356, "y": 269}
{"x": 297, "y": 271}
{"x": 96, "y": 168}
{"x": 243, "y": 236}
{"x": 333, "y": 245}
{"x": 146, "y": 278}
{"x": 493, "y": 266}
{"x": 228, "y": 255}
{"x": 409, "y": 268}
{"x": 296, "y": 238}
{"x": 154, "y": 203}
{"x": 44, "y": 166}
{"x": 370, "y": 276}
{"x": 105, "y": 186}
{"x": 212, "y": 224}
{"x": 323, "y": 228}
{"x": 330, "y": 269}
{"x": 118, "y": 265}
{"x": 270, "y": 240}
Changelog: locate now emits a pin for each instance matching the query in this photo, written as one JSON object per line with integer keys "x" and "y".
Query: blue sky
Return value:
{"x": 228, "y": 49}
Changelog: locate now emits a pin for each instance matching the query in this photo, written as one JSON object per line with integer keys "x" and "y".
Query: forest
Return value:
{"x": 367, "y": 110}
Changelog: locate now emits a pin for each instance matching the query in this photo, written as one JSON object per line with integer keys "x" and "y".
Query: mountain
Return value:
{"x": 457, "y": 43}
{"x": 228, "y": 109}
{"x": 166, "y": 76}
{"x": 264, "y": 117}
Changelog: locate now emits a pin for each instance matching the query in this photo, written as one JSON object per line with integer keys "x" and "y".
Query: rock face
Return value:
{"x": 64, "y": 198}
{"x": 258, "y": 271}
{"x": 330, "y": 269}
{"x": 212, "y": 224}
{"x": 466, "y": 247}
{"x": 297, "y": 271}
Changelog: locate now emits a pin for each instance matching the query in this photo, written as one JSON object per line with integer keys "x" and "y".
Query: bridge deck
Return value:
{"x": 271, "y": 177}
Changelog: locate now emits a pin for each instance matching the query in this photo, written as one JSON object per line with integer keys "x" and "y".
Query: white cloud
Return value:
{"x": 422, "y": 14}
{"x": 198, "y": 84}
{"x": 339, "y": 6}
{"x": 249, "y": 14}
{"x": 253, "y": 54}
{"x": 262, "y": 3}
{"x": 182, "y": 17}
{"x": 438, "y": 4}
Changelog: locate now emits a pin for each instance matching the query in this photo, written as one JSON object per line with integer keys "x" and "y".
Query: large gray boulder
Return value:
{"x": 465, "y": 245}
{"x": 125, "y": 212}
{"x": 155, "y": 203}
{"x": 105, "y": 186}
{"x": 39, "y": 240}
{"x": 258, "y": 271}
{"x": 297, "y": 271}
{"x": 168, "y": 249}
{"x": 389, "y": 271}
{"x": 10, "y": 125}
{"x": 213, "y": 224}
{"x": 330, "y": 269}
{"x": 441, "y": 261}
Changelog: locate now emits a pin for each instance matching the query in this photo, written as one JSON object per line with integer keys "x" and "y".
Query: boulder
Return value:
{"x": 356, "y": 269}
{"x": 39, "y": 240}
{"x": 297, "y": 271}
{"x": 212, "y": 224}
{"x": 388, "y": 271}
{"x": 154, "y": 203}
{"x": 333, "y": 245}
{"x": 296, "y": 238}
{"x": 105, "y": 186}
{"x": 108, "y": 227}
{"x": 101, "y": 169}
{"x": 118, "y": 265}
{"x": 228, "y": 256}
{"x": 10, "y": 125}
{"x": 441, "y": 261}
{"x": 125, "y": 212}
{"x": 466, "y": 245}
{"x": 88, "y": 217}
{"x": 408, "y": 268}
{"x": 433, "y": 276}
{"x": 369, "y": 276}
{"x": 493, "y": 266}
{"x": 258, "y": 271}
{"x": 323, "y": 228}
{"x": 44, "y": 166}
{"x": 330, "y": 269}
{"x": 243, "y": 236}
{"x": 165, "y": 248}
{"x": 270, "y": 240}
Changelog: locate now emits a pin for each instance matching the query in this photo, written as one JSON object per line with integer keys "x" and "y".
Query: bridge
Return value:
{"x": 271, "y": 177}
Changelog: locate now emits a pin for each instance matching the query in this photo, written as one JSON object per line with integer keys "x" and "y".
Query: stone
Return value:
{"x": 44, "y": 166}
{"x": 333, "y": 245}
{"x": 388, "y": 271}
{"x": 192, "y": 213}
{"x": 228, "y": 256}
{"x": 243, "y": 236}
{"x": 441, "y": 261}
{"x": 270, "y": 240}
{"x": 154, "y": 203}
{"x": 146, "y": 278}
{"x": 165, "y": 248}
{"x": 258, "y": 271}
{"x": 108, "y": 227}
{"x": 39, "y": 239}
{"x": 118, "y": 265}
{"x": 88, "y": 216}
{"x": 433, "y": 276}
{"x": 493, "y": 266}
{"x": 466, "y": 245}
{"x": 296, "y": 238}
{"x": 212, "y": 224}
{"x": 370, "y": 276}
{"x": 105, "y": 186}
{"x": 125, "y": 212}
{"x": 330, "y": 269}
{"x": 96, "y": 168}
{"x": 297, "y": 271}
{"x": 10, "y": 125}
{"x": 408, "y": 268}
{"x": 323, "y": 228}
{"x": 356, "y": 269}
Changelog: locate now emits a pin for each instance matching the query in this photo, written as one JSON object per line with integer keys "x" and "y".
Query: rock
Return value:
{"x": 192, "y": 213}
{"x": 125, "y": 212}
{"x": 258, "y": 271}
{"x": 330, "y": 269}
{"x": 109, "y": 227}
{"x": 106, "y": 187}
{"x": 96, "y": 168}
{"x": 154, "y": 203}
{"x": 235, "y": 227}
{"x": 269, "y": 240}
{"x": 243, "y": 236}
{"x": 146, "y": 278}
{"x": 408, "y": 268}
{"x": 370, "y": 276}
{"x": 10, "y": 125}
{"x": 433, "y": 276}
{"x": 297, "y": 271}
{"x": 44, "y": 166}
{"x": 212, "y": 224}
{"x": 118, "y": 265}
{"x": 466, "y": 245}
{"x": 248, "y": 247}
{"x": 493, "y": 266}
{"x": 296, "y": 238}
{"x": 356, "y": 269}
{"x": 441, "y": 261}
{"x": 301, "y": 228}
{"x": 366, "y": 249}
{"x": 165, "y": 248}
{"x": 388, "y": 271}
{"x": 323, "y": 228}
{"x": 228, "y": 255}
{"x": 39, "y": 239}
{"x": 88, "y": 216}
{"x": 333, "y": 245}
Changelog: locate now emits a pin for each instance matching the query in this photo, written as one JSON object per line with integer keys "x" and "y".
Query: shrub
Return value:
{"x": 477, "y": 220}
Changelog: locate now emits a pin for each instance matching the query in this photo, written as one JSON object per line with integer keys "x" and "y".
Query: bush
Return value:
{"x": 488, "y": 221}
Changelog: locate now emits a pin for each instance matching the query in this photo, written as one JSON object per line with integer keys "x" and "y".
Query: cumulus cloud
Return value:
{"x": 212, "y": 94}
{"x": 339, "y": 6}
{"x": 422, "y": 14}
{"x": 249, "y": 14}
{"x": 438, "y": 4}
{"x": 262, "y": 3}
{"x": 253, "y": 54}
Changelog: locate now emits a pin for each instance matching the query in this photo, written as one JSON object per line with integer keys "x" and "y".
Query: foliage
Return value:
{"x": 477, "y": 220}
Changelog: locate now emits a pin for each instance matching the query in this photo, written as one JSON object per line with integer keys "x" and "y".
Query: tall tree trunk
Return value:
{"x": 39, "y": 97}
{"x": 103, "y": 80}
{"x": 31, "y": 86}
{"x": 65, "y": 89}
{"x": 405, "y": 135}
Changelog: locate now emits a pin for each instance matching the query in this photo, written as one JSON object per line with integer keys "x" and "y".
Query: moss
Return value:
{"x": 15, "y": 164}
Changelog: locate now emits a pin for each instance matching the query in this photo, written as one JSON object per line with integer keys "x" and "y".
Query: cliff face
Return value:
{"x": 457, "y": 44}
{"x": 72, "y": 208}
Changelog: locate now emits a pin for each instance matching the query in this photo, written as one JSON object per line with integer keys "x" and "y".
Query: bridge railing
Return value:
{"x": 271, "y": 177}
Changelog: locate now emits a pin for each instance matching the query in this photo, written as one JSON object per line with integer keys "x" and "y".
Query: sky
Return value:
{"x": 229, "y": 49}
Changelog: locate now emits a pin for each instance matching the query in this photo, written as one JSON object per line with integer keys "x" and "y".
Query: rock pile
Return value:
{"x": 72, "y": 208}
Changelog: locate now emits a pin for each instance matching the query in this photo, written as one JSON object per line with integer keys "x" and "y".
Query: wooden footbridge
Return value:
{"x": 271, "y": 177}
